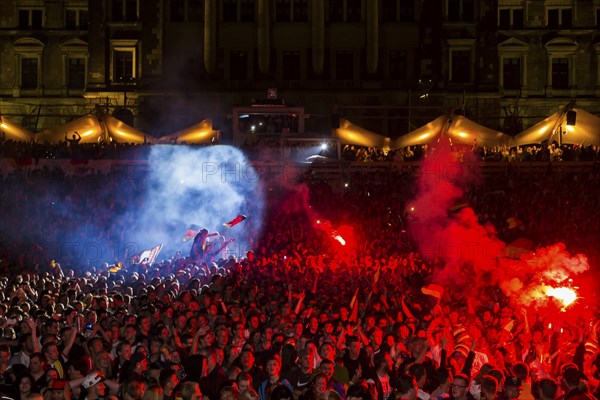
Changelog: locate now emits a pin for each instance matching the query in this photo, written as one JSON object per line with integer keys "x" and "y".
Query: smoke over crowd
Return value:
{"x": 206, "y": 187}
{"x": 470, "y": 253}
{"x": 107, "y": 218}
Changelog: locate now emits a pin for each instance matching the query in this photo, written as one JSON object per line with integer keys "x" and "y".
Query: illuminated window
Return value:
{"x": 510, "y": 18}
{"x": 76, "y": 19}
{"x": 31, "y": 18}
{"x": 124, "y": 61}
{"x": 123, "y": 65}
{"x": 559, "y": 17}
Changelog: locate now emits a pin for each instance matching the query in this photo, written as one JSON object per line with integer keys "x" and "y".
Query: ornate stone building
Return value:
{"x": 390, "y": 65}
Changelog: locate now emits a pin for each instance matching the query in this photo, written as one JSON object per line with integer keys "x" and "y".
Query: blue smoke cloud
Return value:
{"x": 86, "y": 221}
{"x": 203, "y": 186}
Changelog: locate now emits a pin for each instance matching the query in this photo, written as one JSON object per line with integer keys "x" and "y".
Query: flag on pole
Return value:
{"x": 235, "y": 221}
{"x": 508, "y": 327}
{"x": 148, "y": 256}
{"x": 354, "y": 312}
{"x": 191, "y": 232}
{"x": 354, "y": 307}
{"x": 375, "y": 280}
{"x": 354, "y": 298}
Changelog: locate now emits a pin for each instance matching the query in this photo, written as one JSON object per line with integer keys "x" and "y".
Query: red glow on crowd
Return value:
{"x": 471, "y": 252}
{"x": 342, "y": 236}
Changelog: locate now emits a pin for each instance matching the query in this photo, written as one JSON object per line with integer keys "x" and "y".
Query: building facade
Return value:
{"x": 389, "y": 65}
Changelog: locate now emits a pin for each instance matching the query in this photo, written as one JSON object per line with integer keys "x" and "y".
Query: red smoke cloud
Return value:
{"x": 472, "y": 256}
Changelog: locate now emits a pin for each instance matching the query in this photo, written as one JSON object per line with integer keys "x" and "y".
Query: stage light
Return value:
{"x": 323, "y": 146}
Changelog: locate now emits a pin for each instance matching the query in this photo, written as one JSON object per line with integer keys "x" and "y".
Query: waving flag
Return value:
{"x": 116, "y": 268}
{"x": 191, "y": 232}
{"x": 433, "y": 290}
{"x": 235, "y": 221}
{"x": 147, "y": 256}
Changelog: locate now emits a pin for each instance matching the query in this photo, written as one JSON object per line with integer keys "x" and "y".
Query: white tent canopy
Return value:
{"x": 423, "y": 135}
{"x": 349, "y": 133}
{"x": 585, "y": 131}
{"x": 12, "y": 131}
{"x": 199, "y": 133}
{"x": 93, "y": 129}
{"x": 457, "y": 128}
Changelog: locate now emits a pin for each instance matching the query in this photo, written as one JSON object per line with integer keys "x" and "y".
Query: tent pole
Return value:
{"x": 560, "y": 135}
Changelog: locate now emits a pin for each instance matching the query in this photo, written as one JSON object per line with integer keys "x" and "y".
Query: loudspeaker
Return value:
{"x": 335, "y": 121}
{"x": 571, "y": 117}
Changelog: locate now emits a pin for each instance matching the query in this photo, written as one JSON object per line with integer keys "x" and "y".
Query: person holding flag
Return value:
{"x": 199, "y": 245}
{"x": 203, "y": 250}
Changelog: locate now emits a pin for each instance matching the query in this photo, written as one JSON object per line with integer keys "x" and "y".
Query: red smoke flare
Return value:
{"x": 471, "y": 253}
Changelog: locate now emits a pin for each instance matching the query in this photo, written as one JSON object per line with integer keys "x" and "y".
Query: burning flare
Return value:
{"x": 339, "y": 239}
{"x": 564, "y": 294}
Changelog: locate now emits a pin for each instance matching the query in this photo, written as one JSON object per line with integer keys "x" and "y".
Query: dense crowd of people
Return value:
{"x": 533, "y": 153}
{"x": 270, "y": 148}
{"x": 298, "y": 317}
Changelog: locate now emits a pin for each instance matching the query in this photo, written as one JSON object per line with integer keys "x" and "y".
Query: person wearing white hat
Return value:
{"x": 93, "y": 383}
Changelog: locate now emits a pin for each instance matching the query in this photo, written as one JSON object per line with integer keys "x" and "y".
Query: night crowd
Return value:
{"x": 533, "y": 153}
{"x": 295, "y": 317}
{"x": 271, "y": 149}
